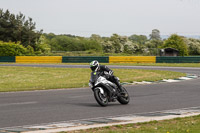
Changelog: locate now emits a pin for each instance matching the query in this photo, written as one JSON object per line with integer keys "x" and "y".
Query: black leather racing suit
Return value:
{"x": 109, "y": 76}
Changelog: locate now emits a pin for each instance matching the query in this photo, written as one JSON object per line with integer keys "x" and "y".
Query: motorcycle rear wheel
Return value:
{"x": 101, "y": 98}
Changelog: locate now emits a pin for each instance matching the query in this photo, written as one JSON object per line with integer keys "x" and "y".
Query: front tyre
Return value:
{"x": 100, "y": 98}
{"x": 124, "y": 99}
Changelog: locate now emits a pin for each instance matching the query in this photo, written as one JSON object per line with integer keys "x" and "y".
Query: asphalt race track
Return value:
{"x": 37, "y": 107}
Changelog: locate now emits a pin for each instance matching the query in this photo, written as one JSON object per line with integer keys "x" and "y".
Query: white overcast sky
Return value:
{"x": 105, "y": 17}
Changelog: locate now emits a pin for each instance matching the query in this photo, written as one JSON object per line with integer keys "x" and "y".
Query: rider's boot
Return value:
{"x": 116, "y": 81}
{"x": 121, "y": 90}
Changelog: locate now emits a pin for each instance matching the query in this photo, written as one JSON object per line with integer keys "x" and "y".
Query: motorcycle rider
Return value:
{"x": 96, "y": 67}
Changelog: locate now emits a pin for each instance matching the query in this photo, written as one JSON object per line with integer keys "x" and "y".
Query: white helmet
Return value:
{"x": 94, "y": 65}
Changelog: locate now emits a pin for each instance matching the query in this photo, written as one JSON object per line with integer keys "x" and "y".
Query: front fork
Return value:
{"x": 101, "y": 90}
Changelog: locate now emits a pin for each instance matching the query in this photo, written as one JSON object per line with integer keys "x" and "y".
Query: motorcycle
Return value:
{"x": 105, "y": 91}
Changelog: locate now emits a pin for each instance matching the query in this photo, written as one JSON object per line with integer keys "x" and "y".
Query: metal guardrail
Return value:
{"x": 178, "y": 59}
{"x": 102, "y": 59}
{"x": 84, "y": 59}
{"x": 7, "y": 58}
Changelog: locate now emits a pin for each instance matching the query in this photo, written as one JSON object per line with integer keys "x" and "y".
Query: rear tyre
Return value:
{"x": 124, "y": 99}
{"x": 101, "y": 98}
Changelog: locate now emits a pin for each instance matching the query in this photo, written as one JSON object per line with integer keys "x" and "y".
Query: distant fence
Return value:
{"x": 7, "y": 58}
{"x": 38, "y": 59}
{"x": 178, "y": 59}
{"x": 132, "y": 59}
{"x": 84, "y": 59}
{"x": 101, "y": 59}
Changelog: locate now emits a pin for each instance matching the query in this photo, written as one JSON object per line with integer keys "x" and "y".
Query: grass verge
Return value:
{"x": 178, "y": 125}
{"x": 122, "y": 64}
{"x": 159, "y": 64}
{"x": 36, "y": 78}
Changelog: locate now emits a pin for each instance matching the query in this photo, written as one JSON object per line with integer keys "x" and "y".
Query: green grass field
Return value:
{"x": 36, "y": 78}
{"x": 159, "y": 64}
{"x": 178, "y": 125}
{"x": 126, "y": 64}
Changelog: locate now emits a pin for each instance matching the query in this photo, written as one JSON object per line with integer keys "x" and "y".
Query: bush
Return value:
{"x": 12, "y": 49}
{"x": 176, "y": 42}
{"x": 193, "y": 46}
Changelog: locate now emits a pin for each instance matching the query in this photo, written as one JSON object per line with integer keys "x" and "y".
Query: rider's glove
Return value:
{"x": 110, "y": 72}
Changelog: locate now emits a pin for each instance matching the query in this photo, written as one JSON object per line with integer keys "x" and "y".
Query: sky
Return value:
{"x": 106, "y": 17}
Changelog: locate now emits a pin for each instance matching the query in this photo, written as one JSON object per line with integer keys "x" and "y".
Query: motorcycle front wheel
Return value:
{"x": 101, "y": 99}
{"x": 124, "y": 99}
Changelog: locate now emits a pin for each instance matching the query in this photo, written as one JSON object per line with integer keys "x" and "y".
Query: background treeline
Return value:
{"x": 121, "y": 45}
{"x": 18, "y": 36}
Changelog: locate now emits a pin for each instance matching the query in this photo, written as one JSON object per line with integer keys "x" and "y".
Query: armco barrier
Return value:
{"x": 178, "y": 59}
{"x": 38, "y": 59}
{"x": 84, "y": 59}
{"x": 101, "y": 59}
{"x": 7, "y": 58}
{"x": 132, "y": 59}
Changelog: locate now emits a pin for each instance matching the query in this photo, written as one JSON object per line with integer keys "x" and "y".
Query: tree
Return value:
{"x": 42, "y": 46}
{"x": 155, "y": 35}
{"x": 16, "y": 28}
{"x": 139, "y": 39}
{"x": 154, "y": 43}
{"x": 67, "y": 43}
{"x": 131, "y": 47}
{"x": 96, "y": 37}
{"x": 118, "y": 42}
{"x": 193, "y": 46}
{"x": 176, "y": 42}
{"x": 49, "y": 36}
{"x": 29, "y": 36}
{"x": 108, "y": 47}
{"x": 62, "y": 43}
